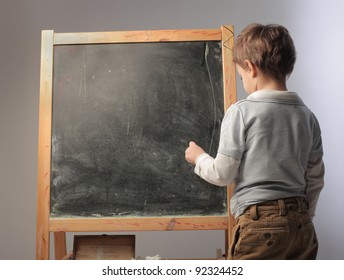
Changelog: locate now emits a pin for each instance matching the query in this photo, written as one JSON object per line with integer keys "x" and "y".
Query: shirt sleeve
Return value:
{"x": 315, "y": 171}
{"x": 222, "y": 169}
{"x": 219, "y": 171}
{"x": 232, "y": 138}
{"x": 315, "y": 183}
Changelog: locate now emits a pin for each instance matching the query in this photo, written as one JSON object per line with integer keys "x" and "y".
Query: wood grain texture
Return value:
{"x": 137, "y": 36}
{"x": 138, "y": 224}
{"x": 60, "y": 245}
{"x": 228, "y": 66}
{"x": 230, "y": 97}
{"x": 44, "y": 147}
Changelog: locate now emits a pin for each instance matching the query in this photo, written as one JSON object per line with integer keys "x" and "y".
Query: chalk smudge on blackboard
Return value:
{"x": 83, "y": 80}
{"x": 206, "y": 53}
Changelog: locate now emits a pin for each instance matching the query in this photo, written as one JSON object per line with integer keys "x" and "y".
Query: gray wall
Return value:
{"x": 317, "y": 30}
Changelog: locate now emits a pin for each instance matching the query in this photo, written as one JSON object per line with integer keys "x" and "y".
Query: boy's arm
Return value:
{"x": 315, "y": 170}
{"x": 315, "y": 182}
{"x": 219, "y": 171}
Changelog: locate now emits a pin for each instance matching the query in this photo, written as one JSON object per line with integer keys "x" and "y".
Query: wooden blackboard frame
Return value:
{"x": 59, "y": 226}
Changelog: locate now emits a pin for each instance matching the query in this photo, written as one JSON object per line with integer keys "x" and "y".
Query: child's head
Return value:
{"x": 269, "y": 47}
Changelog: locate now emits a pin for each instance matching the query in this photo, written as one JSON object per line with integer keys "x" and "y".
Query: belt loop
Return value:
{"x": 300, "y": 204}
{"x": 254, "y": 212}
{"x": 281, "y": 207}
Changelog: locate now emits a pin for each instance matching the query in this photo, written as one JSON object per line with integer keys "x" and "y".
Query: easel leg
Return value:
{"x": 227, "y": 244}
{"x": 42, "y": 245}
{"x": 60, "y": 245}
{"x": 231, "y": 221}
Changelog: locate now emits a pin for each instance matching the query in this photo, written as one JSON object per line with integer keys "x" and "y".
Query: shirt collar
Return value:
{"x": 275, "y": 96}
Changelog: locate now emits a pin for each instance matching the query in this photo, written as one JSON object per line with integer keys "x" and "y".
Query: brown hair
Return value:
{"x": 270, "y": 47}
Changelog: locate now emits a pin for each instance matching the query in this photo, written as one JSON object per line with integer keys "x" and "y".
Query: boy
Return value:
{"x": 270, "y": 145}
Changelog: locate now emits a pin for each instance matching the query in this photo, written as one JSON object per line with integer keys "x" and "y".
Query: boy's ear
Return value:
{"x": 251, "y": 68}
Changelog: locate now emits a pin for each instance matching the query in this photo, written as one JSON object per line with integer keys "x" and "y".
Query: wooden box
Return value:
{"x": 104, "y": 247}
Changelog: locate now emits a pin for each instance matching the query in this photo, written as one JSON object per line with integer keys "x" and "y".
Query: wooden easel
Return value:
{"x": 59, "y": 226}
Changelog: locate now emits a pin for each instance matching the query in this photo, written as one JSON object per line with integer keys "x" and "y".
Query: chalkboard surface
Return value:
{"x": 123, "y": 115}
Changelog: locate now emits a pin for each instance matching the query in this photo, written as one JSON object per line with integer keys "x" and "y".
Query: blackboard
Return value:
{"x": 122, "y": 116}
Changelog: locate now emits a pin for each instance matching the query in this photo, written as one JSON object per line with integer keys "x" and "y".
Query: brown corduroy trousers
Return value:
{"x": 279, "y": 229}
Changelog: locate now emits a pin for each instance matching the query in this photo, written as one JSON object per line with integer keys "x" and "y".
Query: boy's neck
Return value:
{"x": 271, "y": 84}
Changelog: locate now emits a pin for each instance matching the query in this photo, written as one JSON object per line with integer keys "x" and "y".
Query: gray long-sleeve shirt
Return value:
{"x": 271, "y": 146}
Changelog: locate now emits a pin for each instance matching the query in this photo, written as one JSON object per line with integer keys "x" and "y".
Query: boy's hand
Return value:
{"x": 192, "y": 152}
